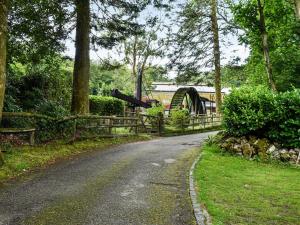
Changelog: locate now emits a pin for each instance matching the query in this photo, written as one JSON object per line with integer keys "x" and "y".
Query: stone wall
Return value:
{"x": 252, "y": 147}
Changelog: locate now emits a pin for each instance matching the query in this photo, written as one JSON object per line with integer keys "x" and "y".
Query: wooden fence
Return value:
{"x": 105, "y": 126}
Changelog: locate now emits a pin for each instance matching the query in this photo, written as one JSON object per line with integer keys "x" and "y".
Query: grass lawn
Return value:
{"x": 237, "y": 191}
{"x": 20, "y": 160}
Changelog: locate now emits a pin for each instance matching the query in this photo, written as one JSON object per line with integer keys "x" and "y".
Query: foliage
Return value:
{"x": 248, "y": 110}
{"x": 155, "y": 111}
{"x": 260, "y": 112}
{"x": 286, "y": 127}
{"x": 232, "y": 189}
{"x": 33, "y": 85}
{"x": 180, "y": 118}
{"x": 105, "y": 106}
{"x": 108, "y": 75}
{"x": 37, "y": 29}
{"x": 283, "y": 31}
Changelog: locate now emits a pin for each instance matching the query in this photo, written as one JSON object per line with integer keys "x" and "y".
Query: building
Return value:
{"x": 164, "y": 91}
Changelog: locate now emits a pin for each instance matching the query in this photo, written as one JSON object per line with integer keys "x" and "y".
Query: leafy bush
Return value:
{"x": 260, "y": 112}
{"x": 286, "y": 127}
{"x": 155, "y": 111}
{"x": 180, "y": 118}
{"x": 248, "y": 110}
{"x": 52, "y": 109}
{"x": 105, "y": 106}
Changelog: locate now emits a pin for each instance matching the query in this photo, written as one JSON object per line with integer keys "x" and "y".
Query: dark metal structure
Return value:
{"x": 133, "y": 101}
{"x": 194, "y": 103}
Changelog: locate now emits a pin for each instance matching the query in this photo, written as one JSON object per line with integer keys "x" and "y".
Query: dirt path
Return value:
{"x": 139, "y": 183}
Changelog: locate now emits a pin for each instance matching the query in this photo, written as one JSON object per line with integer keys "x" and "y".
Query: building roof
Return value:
{"x": 172, "y": 87}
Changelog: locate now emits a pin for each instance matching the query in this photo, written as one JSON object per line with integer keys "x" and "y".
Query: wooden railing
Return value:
{"x": 106, "y": 126}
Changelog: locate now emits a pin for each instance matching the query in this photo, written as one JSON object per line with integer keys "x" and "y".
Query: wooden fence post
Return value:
{"x": 1, "y": 158}
{"x": 110, "y": 124}
{"x": 160, "y": 120}
{"x": 74, "y": 129}
{"x": 193, "y": 122}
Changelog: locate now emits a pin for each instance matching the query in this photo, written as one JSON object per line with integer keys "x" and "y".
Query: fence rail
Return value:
{"x": 103, "y": 126}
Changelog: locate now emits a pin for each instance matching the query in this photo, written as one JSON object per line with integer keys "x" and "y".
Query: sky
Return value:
{"x": 228, "y": 52}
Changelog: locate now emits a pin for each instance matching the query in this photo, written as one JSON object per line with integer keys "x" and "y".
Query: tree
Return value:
{"x": 81, "y": 74}
{"x": 197, "y": 42}
{"x": 149, "y": 42}
{"x": 3, "y": 50}
{"x": 217, "y": 54}
{"x": 265, "y": 44}
{"x": 142, "y": 48}
{"x": 111, "y": 21}
{"x": 280, "y": 30}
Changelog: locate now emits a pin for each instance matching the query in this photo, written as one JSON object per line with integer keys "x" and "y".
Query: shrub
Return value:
{"x": 180, "y": 118}
{"x": 248, "y": 110}
{"x": 286, "y": 129}
{"x": 155, "y": 111}
{"x": 52, "y": 109}
{"x": 105, "y": 106}
{"x": 260, "y": 112}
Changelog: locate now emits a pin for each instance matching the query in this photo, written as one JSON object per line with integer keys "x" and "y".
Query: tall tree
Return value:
{"x": 197, "y": 42}
{"x": 270, "y": 28}
{"x": 3, "y": 49}
{"x": 81, "y": 74}
{"x": 265, "y": 44}
{"x": 217, "y": 54}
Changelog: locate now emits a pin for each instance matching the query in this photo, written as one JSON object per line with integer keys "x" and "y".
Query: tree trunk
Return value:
{"x": 81, "y": 74}
{"x": 265, "y": 45}
{"x": 3, "y": 50}
{"x": 134, "y": 63}
{"x": 297, "y": 8}
{"x": 217, "y": 54}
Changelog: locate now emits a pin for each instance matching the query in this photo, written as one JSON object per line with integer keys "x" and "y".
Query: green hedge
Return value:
{"x": 258, "y": 111}
{"x": 106, "y": 106}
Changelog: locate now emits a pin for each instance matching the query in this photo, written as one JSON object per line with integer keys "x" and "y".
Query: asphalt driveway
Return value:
{"x": 137, "y": 183}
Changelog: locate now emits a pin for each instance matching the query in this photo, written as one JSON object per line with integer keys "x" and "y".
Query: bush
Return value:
{"x": 248, "y": 110}
{"x": 258, "y": 111}
{"x": 180, "y": 118}
{"x": 155, "y": 111}
{"x": 286, "y": 128}
{"x": 106, "y": 106}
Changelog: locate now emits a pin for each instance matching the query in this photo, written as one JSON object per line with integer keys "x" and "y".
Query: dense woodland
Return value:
{"x": 188, "y": 38}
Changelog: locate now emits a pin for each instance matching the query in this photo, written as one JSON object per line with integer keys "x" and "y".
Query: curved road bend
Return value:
{"x": 138, "y": 183}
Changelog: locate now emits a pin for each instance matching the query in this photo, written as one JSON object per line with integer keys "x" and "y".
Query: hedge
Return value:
{"x": 258, "y": 111}
{"x": 106, "y": 106}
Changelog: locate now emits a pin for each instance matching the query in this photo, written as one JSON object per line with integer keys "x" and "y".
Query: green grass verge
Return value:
{"x": 171, "y": 131}
{"x": 237, "y": 191}
{"x": 20, "y": 160}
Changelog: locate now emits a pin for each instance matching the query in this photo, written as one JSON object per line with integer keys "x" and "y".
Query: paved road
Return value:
{"x": 138, "y": 183}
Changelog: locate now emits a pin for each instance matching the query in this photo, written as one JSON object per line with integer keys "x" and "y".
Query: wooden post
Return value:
{"x": 160, "y": 123}
{"x": 136, "y": 126}
{"x": 74, "y": 129}
{"x": 193, "y": 122}
{"x": 31, "y": 138}
{"x": 110, "y": 124}
{"x": 1, "y": 158}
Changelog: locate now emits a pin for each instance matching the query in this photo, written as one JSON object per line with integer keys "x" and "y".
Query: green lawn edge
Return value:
{"x": 21, "y": 160}
{"x": 238, "y": 191}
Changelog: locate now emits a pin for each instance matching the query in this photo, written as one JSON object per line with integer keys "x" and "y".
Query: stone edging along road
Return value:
{"x": 201, "y": 215}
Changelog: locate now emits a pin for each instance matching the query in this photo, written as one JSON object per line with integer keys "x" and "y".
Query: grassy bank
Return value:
{"x": 238, "y": 191}
{"x": 171, "y": 131}
{"x": 20, "y": 160}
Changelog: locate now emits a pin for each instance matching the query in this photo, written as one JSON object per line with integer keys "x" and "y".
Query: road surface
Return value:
{"x": 137, "y": 183}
